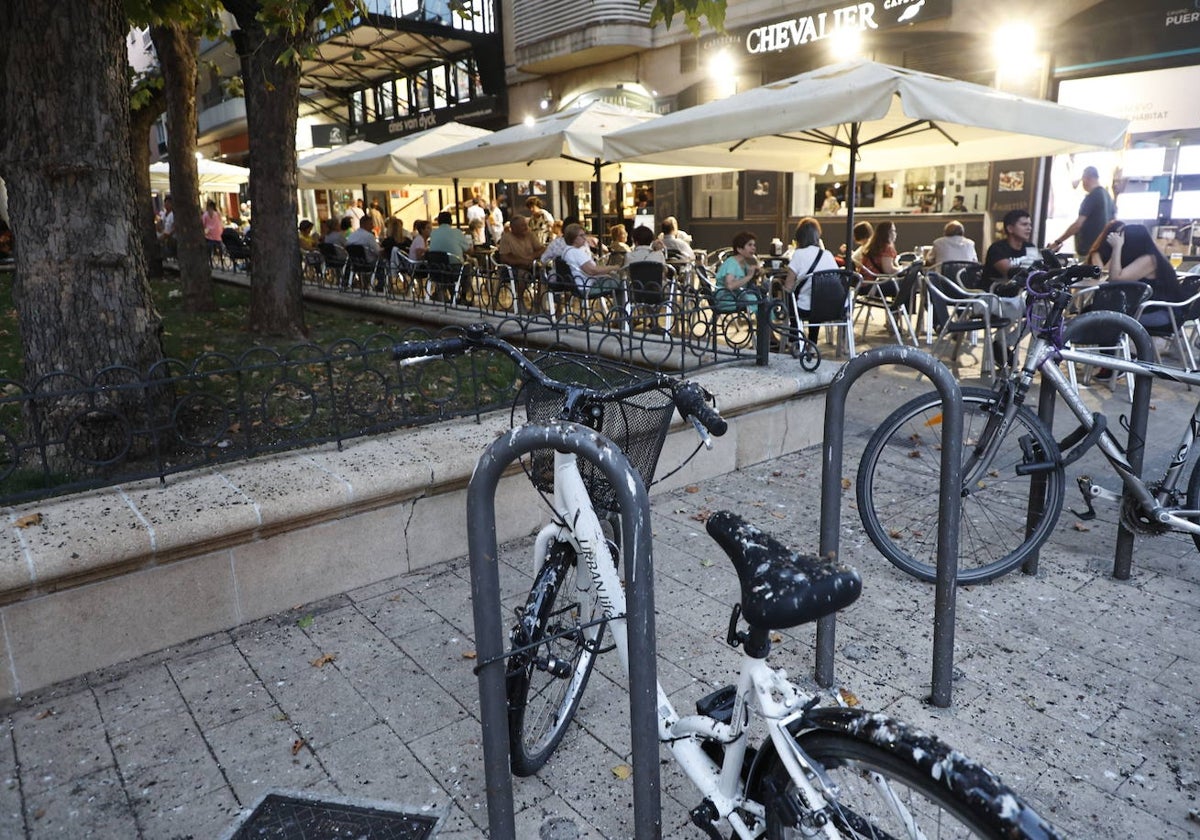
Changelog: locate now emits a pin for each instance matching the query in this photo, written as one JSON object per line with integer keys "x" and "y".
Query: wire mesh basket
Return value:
{"x": 637, "y": 424}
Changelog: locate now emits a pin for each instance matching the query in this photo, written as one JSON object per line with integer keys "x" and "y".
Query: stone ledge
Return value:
{"x": 116, "y": 573}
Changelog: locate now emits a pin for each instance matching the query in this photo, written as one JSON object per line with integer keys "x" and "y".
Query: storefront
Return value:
{"x": 1142, "y": 62}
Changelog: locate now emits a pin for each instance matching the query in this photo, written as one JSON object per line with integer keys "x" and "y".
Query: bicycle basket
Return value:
{"x": 637, "y": 424}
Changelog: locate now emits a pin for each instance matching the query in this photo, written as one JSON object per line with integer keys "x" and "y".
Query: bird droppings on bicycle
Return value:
{"x": 767, "y": 758}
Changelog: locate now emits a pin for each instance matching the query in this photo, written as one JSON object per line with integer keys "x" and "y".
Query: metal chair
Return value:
{"x": 650, "y": 294}
{"x": 364, "y": 268}
{"x": 334, "y": 260}
{"x": 958, "y": 312}
{"x": 895, "y": 297}
{"x": 831, "y": 306}
{"x": 1116, "y": 296}
{"x": 449, "y": 282}
{"x": 237, "y": 249}
{"x": 562, "y": 289}
{"x": 1179, "y": 314}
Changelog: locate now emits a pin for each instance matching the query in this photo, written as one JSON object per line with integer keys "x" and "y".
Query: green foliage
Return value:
{"x": 693, "y": 12}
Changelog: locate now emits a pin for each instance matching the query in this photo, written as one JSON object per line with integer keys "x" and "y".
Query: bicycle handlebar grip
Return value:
{"x": 689, "y": 399}
{"x": 434, "y": 347}
{"x": 1082, "y": 271}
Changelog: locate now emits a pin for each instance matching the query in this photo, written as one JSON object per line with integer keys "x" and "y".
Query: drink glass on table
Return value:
{"x": 1176, "y": 259}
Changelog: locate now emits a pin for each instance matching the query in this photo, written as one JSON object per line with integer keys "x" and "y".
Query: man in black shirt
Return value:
{"x": 1018, "y": 229}
{"x": 1095, "y": 211}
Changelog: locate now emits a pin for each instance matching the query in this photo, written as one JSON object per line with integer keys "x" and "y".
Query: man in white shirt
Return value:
{"x": 953, "y": 247}
{"x": 166, "y": 231}
{"x": 674, "y": 242}
{"x": 476, "y": 211}
{"x": 365, "y": 236}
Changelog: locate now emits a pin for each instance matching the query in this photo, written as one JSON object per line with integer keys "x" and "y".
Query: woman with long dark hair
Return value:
{"x": 1135, "y": 256}
{"x": 879, "y": 257}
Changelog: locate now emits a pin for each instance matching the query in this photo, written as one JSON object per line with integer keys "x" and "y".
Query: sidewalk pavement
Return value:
{"x": 1078, "y": 689}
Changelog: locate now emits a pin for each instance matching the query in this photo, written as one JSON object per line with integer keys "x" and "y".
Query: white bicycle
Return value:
{"x": 767, "y": 758}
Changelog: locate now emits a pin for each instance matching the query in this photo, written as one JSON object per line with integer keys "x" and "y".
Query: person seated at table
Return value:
{"x": 365, "y": 236}
{"x": 338, "y": 236}
{"x": 879, "y": 254}
{"x": 308, "y": 240}
{"x": 1101, "y": 252}
{"x": 589, "y": 277}
{"x": 737, "y": 271}
{"x": 1003, "y": 254}
{"x": 808, "y": 256}
{"x": 618, "y": 244}
{"x": 416, "y": 251}
{"x": 646, "y": 247}
{"x": 517, "y": 247}
{"x": 446, "y": 237}
{"x": 672, "y": 241}
{"x": 477, "y": 230}
{"x": 952, "y": 246}
{"x": 1135, "y": 256}
{"x": 559, "y": 245}
{"x": 862, "y": 235}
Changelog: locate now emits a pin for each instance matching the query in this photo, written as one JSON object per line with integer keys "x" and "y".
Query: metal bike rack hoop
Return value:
{"x": 1139, "y": 414}
{"x": 949, "y": 504}
{"x": 490, "y": 635}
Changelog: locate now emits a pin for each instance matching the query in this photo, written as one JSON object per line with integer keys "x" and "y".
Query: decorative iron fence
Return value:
{"x": 680, "y": 326}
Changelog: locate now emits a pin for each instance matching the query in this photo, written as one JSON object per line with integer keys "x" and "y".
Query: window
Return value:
{"x": 385, "y": 96}
{"x": 357, "y": 108}
{"x": 715, "y": 196}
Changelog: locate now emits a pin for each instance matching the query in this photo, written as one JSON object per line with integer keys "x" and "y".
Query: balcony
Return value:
{"x": 545, "y": 40}
{"x": 221, "y": 118}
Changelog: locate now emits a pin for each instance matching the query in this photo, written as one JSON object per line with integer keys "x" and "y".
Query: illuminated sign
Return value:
{"x": 851, "y": 17}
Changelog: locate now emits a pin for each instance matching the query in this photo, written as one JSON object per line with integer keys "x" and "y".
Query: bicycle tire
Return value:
{"x": 877, "y": 786}
{"x": 898, "y": 491}
{"x": 541, "y": 705}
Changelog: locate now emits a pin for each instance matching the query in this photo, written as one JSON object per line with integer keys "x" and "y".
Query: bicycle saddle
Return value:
{"x": 781, "y": 588}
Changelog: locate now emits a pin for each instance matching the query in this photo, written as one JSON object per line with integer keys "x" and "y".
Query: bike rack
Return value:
{"x": 490, "y": 634}
{"x": 949, "y": 509}
{"x": 1139, "y": 414}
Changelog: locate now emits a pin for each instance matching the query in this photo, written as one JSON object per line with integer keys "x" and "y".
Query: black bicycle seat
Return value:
{"x": 781, "y": 588}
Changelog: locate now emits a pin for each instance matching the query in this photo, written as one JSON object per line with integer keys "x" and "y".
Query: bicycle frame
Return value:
{"x": 1043, "y": 356}
{"x": 767, "y": 690}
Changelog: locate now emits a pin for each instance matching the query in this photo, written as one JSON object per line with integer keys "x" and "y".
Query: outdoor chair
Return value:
{"x": 1179, "y": 315}
{"x": 957, "y": 313}
{"x": 448, "y": 281}
{"x": 364, "y": 269}
{"x": 237, "y": 249}
{"x": 334, "y": 260}
{"x": 563, "y": 290}
{"x": 1116, "y": 296}
{"x": 895, "y": 296}
{"x": 832, "y": 305}
{"x": 650, "y": 295}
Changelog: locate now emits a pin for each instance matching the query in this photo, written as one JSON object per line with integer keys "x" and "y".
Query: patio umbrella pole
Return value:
{"x": 850, "y": 193}
{"x": 597, "y": 203}
{"x": 457, "y": 205}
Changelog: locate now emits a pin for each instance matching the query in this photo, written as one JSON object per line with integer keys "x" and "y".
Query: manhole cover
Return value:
{"x": 280, "y": 817}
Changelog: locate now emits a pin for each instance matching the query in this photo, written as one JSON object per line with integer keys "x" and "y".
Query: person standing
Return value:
{"x": 166, "y": 231}
{"x": 831, "y": 205}
{"x": 1095, "y": 211}
{"x": 376, "y": 213}
{"x": 214, "y": 226}
{"x": 540, "y": 220}
{"x": 495, "y": 222}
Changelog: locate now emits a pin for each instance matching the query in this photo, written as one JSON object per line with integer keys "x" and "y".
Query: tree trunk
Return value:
{"x": 272, "y": 92}
{"x": 178, "y": 49}
{"x": 140, "y": 123}
{"x": 80, "y": 289}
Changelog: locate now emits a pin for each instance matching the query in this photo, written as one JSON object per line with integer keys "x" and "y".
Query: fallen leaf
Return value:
{"x": 778, "y": 514}
{"x": 776, "y": 638}
{"x": 776, "y": 473}
{"x": 297, "y": 745}
{"x": 29, "y": 521}
{"x": 845, "y": 484}
{"x": 43, "y": 714}
{"x": 469, "y": 654}
{"x": 323, "y": 660}
{"x": 622, "y": 771}
{"x": 706, "y": 562}
{"x": 914, "y": 453}
{"x": 1079, "y": 526}
{"x": 305, "y": 622}
{"x": 691, "y": 488}
{"x": 849, "y": 697}
{"x": 702, "y": 515}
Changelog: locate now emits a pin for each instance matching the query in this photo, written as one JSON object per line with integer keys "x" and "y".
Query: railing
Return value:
{"x": 63, "y": 434}
{"x": 683, "y": 331}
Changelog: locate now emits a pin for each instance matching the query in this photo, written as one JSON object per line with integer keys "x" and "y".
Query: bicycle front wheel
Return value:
{"x": 885, "y": 794}
{"x": 545, "y": 682}
{"x": 899, "y": 494}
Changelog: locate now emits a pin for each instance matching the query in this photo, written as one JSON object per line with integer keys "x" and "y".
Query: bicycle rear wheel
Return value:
{"x": 546, "y": 682}
{"x": 898, "y": 490}
{"x": 885, "y": 794}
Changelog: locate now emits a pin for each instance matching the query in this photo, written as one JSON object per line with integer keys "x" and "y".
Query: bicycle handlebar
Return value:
{"x": 690, "y": 399}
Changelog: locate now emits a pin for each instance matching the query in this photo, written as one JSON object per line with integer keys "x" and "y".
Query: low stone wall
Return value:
{"x": 98, "y": 578}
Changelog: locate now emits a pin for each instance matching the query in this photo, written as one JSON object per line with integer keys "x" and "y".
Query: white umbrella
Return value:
{"x": 307, "y": 177}
{"x": 214, "y": 176}
{"x": 566, "y": 146}
{"x": 395, "y": 163}
{"x": 880, "y": 117}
